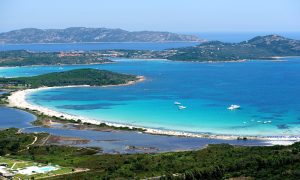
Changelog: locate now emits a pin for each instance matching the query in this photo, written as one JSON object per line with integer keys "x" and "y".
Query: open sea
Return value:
{"x": 267, "y": 91}
{"x": 56, "y": 47}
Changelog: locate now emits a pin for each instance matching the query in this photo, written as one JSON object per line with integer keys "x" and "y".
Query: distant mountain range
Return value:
{"x": 82, "y": 34}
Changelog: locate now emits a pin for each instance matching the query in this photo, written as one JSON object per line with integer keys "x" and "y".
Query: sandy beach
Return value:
{"x": 18, "y": 99}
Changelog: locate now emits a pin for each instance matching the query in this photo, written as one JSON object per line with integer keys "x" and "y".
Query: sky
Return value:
{"x": 159, "y": 15}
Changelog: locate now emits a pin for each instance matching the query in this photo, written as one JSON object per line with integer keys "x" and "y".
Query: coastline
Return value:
{"x": 113, "y": 60}
{"x": 18, "y": 99}
{"x": 5, "y": 67}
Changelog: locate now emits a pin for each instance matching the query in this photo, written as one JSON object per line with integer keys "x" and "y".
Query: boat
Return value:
{"x": 266, "y": 122}
{"x": 233, "y": 107}
{"x": 181, "y": 107}
{"x": 177, "y": 103}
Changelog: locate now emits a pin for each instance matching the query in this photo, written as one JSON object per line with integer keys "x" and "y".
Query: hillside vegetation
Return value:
{"x": 11, "y": 141}
{"x": 90, "y": 77}
{"x": 26, "y": 58}
{"x": 261, "y": 47}
{"x": 215, "y": 162}
{"x": 221, "y": 161}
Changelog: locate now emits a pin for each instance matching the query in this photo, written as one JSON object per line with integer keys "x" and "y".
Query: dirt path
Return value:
{"x": 46, "y": 139}
{"x": 27, "y": 147}
{"x": 13, "y": 166}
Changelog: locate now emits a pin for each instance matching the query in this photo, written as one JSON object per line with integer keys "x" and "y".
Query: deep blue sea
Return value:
{"x": 94, "y": 46}
{"x": 267, "y": 91}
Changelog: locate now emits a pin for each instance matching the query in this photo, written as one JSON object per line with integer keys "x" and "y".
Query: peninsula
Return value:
{"x": 26, "y": 58}
{"x": 90, "y": 77}
{"x": 260, "y": 48}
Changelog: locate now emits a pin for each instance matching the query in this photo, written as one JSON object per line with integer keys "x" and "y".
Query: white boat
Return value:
{"x": 233, "y": 107}
{"x": 266, "y": 122}
{"x": 181, "y": 107}
{"x": 177, "y": 103}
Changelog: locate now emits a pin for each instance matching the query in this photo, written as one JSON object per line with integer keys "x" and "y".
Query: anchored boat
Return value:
{"x": 233, "y": 107}
{"x": 181, "y": 107}
{"x": 177, "y": 103}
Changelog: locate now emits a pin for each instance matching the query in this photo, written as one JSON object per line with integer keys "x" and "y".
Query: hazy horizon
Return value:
{"x": 169, "y": 15}
{"x": 187, "y": 32}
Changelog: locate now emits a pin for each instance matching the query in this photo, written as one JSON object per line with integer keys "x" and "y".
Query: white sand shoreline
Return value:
{"x": 18, "y": 99}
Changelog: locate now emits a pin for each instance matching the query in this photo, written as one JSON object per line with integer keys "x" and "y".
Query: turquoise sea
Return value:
{"x": 267, "y": 91}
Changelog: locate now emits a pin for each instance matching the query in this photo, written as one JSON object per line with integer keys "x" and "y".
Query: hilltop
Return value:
{"x": 260, "y": 47}
{"x": 82, "y": 34}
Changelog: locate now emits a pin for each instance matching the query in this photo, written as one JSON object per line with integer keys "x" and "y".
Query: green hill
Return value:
{"x": 261, "y": 47}
{"x": 26, "y": 58}
{"x": 90, "y": 77}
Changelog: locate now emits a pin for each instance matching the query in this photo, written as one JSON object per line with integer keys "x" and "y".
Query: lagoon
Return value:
{"x": 113, "y": 141}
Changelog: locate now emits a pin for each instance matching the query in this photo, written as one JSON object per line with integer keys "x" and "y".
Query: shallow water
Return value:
{"x": 14, "y": 118}
{"x": 116, "y": 141}
{"x": 119, "y": 141}
{"x": 268, "y": 93}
